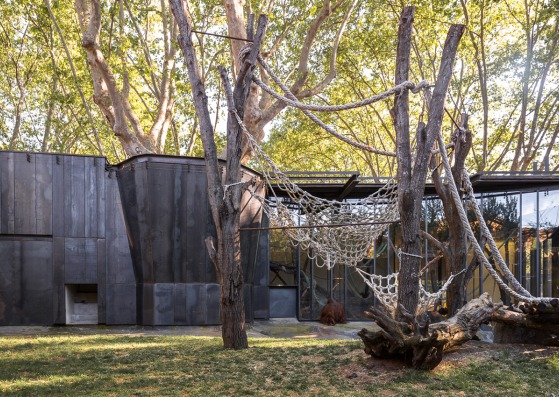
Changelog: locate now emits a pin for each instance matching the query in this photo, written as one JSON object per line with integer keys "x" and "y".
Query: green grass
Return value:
{"x": 137, "y": 365}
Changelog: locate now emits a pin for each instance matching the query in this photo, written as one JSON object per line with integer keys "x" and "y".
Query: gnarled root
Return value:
{"x": 419, "y": 343}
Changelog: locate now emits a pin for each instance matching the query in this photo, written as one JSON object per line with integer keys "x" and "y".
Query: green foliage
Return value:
{"x": 494, "y": 50}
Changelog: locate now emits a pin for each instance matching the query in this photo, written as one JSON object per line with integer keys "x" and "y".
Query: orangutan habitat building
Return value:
{"x": 86, "y": 242}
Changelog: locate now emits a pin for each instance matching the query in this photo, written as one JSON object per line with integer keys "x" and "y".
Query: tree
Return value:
{"x": 114, "y": 102}
{"x": 224, "y": 191}
{"x": 403, "y": 335}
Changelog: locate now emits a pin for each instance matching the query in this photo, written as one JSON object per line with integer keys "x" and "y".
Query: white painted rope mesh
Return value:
{"x": 385, "y": 289}
{"x": 336, "y": 232}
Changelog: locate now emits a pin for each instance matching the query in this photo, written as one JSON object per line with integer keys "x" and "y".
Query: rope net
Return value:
{"x": 344, "y": 232}
{"x": 336, "y": 232}
{"x": 385, "y": 289}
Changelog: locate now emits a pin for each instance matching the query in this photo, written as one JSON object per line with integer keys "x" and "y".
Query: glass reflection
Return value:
{"x": 549, "y": 241}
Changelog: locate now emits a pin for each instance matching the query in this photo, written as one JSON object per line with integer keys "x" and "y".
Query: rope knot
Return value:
{"x": 247, "y": 48}
{"x": 423, "y": 84}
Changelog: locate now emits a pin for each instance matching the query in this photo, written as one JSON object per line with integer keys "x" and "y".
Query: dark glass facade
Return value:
{"x": 524, "y": 224}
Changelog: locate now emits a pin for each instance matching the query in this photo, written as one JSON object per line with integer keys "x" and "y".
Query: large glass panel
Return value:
{"x": 359, "y": 296}
{"x": 306, "y": 286}
{"x": 549, "y": 238}
{"x": 283, "y": 260}
{"x": 501, "y": 213}
{"x": 530, "y": 261}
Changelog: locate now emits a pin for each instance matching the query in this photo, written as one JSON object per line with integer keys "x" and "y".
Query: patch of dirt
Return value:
{"x": 364, "y": 369}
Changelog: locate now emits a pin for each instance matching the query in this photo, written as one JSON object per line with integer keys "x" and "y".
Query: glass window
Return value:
{"x": 549, "y": 242}
{"x": 501, "y": 213}
{"x": 530, "y": 260}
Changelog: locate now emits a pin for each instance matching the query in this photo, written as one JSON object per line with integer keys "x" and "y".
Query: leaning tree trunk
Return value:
{"x": 422, "y": 345}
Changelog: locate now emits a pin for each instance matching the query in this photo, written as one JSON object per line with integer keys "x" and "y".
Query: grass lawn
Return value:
{"x": 139, "y": 365}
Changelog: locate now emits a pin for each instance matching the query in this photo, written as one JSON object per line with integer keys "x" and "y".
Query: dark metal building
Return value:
{"x": 85, "y": 242}
{"x": 82, "y": 241}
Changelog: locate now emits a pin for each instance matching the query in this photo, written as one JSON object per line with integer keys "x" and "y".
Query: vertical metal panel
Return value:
{"x": 119, "y": 268}
{"x": 80, "y": 261}
{"x": 130, "y": 212}
{"x": 213, "y": 304}
{"x": 59, "y": 302}
{"x": 101, "y": 281}
{"x": 196, "y": 304}
{"x": 91, "y": 212}
{"x": 43, "y": 193}
{"x": 161, "y": 219}
{"x": 74, "y": 197}
{"x": 143, "y": 236}
{"x": 179, "y": 235}
{"x": 25, "y": 219}
{"x": 36, "y": 282}
{"x": 7, "y": 193}
{"x": 163, "y": 304}
{"x": 91, "y": 260}
{"x": 58, "y": 196}
{"x": 146, "y": 309}
{"x": 121, "y": 307}
{"x": 74, "y": 260}
{"x": 196, "y": 227}
{"x": 179, "y": 303}
{"x": 10, "y": 279}
{"x": 102, "y": 181}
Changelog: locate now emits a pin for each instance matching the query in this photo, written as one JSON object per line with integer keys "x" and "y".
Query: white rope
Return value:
{"x": 357, "y": 224}
{"x": 319, "y": 122}
{"x": 406, "y": 85}
{"x": 385, "y": 289}
{"x": 519, "y": 293}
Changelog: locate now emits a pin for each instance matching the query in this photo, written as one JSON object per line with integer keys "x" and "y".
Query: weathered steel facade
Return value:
{"x": 131, "y": 235}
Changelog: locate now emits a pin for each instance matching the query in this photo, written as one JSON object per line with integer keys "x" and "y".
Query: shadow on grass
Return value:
{"x": 121, "y": 365}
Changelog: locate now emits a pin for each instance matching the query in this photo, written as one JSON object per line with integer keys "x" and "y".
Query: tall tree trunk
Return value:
{"x": 457, "y": 253}
{"x": 224, "y": 191}
{"x": 412, "y": 174}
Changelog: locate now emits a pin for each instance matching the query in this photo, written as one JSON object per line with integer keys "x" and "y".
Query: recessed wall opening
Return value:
{"x": 81, "y": 304}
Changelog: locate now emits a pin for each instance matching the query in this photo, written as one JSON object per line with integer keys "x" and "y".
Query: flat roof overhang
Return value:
{"x": 349, "y": 185}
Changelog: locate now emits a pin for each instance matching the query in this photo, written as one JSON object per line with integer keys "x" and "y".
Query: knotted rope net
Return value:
{"x": 336, "y": 232}
{"x": 385, "y": 289}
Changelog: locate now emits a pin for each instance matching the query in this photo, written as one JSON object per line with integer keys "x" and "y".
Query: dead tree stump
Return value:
{"x": 420, "y": 344}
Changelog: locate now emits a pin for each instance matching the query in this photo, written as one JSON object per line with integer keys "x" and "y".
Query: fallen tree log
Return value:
{"x": 419, "y": 343}
{"x": 527, "y": 325}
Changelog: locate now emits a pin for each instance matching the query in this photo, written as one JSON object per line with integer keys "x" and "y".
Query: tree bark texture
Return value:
{"x": 412, "y": 174}
{"x": 456, "y": 251}
{"x": 112, "y": 101}
{"x": 419, "y": 344}
{"x": 224, "y": 188}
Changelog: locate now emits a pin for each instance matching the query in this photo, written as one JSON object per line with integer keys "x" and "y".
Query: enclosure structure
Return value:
{"x": 82, "y": 241}
{"x": 521, "y": 210}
